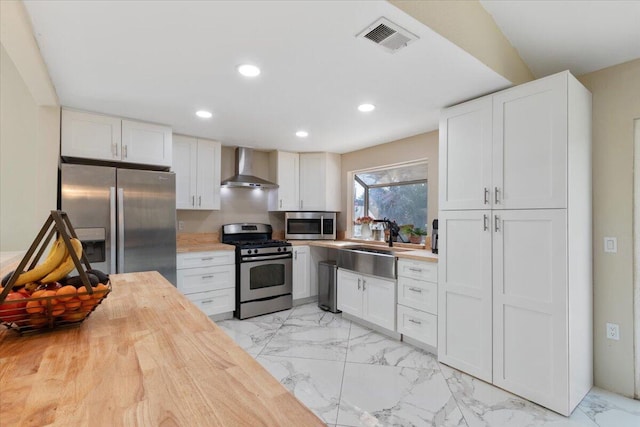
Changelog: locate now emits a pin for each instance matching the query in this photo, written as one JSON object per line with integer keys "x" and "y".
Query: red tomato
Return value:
{"x": 13, "y": 311}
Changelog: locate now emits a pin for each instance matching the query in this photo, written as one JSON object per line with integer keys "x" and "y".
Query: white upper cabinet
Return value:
{"x": 507, "y": 150}
{"x": 285, "y": 171}
{"x": 530, "y": 145}
{"x": 307, "y": 181}
{"x": 185, "y": 159}
{"x": 320, "y": 182}
{"x": 196, "y": 163}
{"x": 465, "y": 156}
{"x": 146, "y": 143}
{"x": 90, "y": 136}
{"x": 99, "y": 137}
{"x": 312, "y": 186}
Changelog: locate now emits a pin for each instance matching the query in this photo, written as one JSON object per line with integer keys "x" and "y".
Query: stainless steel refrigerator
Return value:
{"x": 125, "y": 218}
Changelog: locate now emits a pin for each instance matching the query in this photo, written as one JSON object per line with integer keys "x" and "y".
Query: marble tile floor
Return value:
{"x": 349, "y": 375}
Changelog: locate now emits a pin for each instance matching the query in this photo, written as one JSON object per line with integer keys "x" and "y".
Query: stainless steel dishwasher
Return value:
{"x": 327, "y": 293}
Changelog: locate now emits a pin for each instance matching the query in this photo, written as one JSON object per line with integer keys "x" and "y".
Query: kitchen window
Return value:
{"x": 397, "y": 192}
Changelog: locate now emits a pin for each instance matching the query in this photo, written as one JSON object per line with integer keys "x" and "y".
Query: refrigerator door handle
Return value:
{"x": 120, "y": 230}
{"x": 112, "y": 224}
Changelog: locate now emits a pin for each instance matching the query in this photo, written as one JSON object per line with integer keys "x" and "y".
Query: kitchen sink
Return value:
{"x": 367, "y": 260}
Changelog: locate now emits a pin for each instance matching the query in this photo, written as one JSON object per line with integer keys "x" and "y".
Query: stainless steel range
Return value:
{"x": 263, "y": 269}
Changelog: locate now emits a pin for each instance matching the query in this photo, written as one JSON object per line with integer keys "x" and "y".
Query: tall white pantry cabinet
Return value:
{"x": 515, "y": 258}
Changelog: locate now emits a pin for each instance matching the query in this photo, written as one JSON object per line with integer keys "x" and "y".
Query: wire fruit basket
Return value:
{"x": 43, "y": 297}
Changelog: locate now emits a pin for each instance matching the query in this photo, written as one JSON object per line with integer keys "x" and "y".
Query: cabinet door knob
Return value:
{"x": 193, "y": 200}
{"x": 416, "y": 290}
{"x": 199, "y": 200}
{"x": 280, "y": 203}
{"x": 358, "y": 284}
{"x": 485, "y": 222}
{"x": 124, "y": 151}
{"x": 496, "y": 192}
{"x": 210, "y": 276}
{"x": 497, "y": 223}
{"x": 486, "y": 196}
{"x": 364, "y": 284}
{"x": 417, "y": 322}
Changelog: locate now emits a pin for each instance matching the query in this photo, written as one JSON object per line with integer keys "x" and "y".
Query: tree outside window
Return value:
{"x": 395, "y": 192}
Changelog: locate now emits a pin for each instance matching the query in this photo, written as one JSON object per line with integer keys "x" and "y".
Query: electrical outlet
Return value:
{"x": 611, "y": 245}
{"x": 613, "y": 331}
{"x": 180, "y": 225}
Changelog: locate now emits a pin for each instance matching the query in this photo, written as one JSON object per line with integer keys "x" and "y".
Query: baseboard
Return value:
{"x": 307, "y": 300}
{"x": 384, "y": 331}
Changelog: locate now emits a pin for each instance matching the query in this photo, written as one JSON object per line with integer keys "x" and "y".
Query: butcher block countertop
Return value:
{"x": 200, "y": 242}
{"x": 203, "y": 242}
{"x": 147, "y": 356}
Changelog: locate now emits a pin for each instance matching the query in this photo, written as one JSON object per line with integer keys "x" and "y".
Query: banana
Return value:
{"x": 66, "y": 266}
{"x": 56, "y": 255}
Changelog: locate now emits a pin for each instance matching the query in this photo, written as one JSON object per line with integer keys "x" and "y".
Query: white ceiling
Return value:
{"x": 580, "y": 36}
{"x": 162, "y": 60}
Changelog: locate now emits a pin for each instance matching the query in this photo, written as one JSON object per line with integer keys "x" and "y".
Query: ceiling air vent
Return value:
{"x": 388, "y": 35}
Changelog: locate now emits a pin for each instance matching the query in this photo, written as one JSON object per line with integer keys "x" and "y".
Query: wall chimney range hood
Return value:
{"x": 244, "y": 177}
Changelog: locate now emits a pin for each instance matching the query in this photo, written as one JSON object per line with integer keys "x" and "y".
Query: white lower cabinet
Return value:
{"x": 301, "y": 272}
{"x": 208, "y": 279}
{"x": 371, "y": 298}
{"x": 418, "y": 325}
{"x": 418, "y": 301}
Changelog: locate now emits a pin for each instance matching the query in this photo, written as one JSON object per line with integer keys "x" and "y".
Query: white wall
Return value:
{"x": 29, "y": 135}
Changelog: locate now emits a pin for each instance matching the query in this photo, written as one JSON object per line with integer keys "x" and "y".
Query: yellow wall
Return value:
{"x": 616, "y": 103}
{"x": 403, "y": 150}
{"x": 29, "y": 132}
{"x": 467, "y": 24}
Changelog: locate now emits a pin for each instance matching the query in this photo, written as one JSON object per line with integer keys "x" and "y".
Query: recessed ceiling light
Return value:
{"x": 302, "y": 134}
{"x": 204, "y": 114}
{"x": 365, "y": 108}
{"x": 248, "y": 70}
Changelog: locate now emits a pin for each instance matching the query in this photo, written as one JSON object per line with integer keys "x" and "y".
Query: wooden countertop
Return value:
{"x": 200, "y": 242}
{"x": 146, "y": 356}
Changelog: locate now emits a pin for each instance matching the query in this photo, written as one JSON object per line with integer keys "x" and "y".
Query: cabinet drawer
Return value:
{"x": 205, "y": 259}
{"x": 418, "y": 294}
{"x": 215, "y": 302}
{"x": 419, "y": 270}
{"x": 191, "y": 280}
{"x": 418, "y": 325}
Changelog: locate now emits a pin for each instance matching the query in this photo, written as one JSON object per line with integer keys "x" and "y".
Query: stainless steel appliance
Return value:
{"x": 125, "y": 218}
{"x": 327, "y": 281}
{"x": 310, "y": 225}
{"x": 263, "y": 269}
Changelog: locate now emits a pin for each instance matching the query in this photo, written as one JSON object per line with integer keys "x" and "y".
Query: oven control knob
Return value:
{"x": 255, "y": 251}
{"x": 279, "y": 249}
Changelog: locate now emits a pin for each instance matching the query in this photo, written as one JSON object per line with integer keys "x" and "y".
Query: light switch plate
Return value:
{"x": 180, "y": 225}
{"x": 611, "y": 245}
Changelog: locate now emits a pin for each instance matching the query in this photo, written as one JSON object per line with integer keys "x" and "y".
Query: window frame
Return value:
{"x": 352, "y": 176}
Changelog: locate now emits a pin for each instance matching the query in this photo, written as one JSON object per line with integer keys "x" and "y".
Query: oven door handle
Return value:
{"x": 265, "y": 258}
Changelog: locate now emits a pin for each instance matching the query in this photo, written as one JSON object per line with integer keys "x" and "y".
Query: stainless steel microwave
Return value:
{"x": 310, "y": 225}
